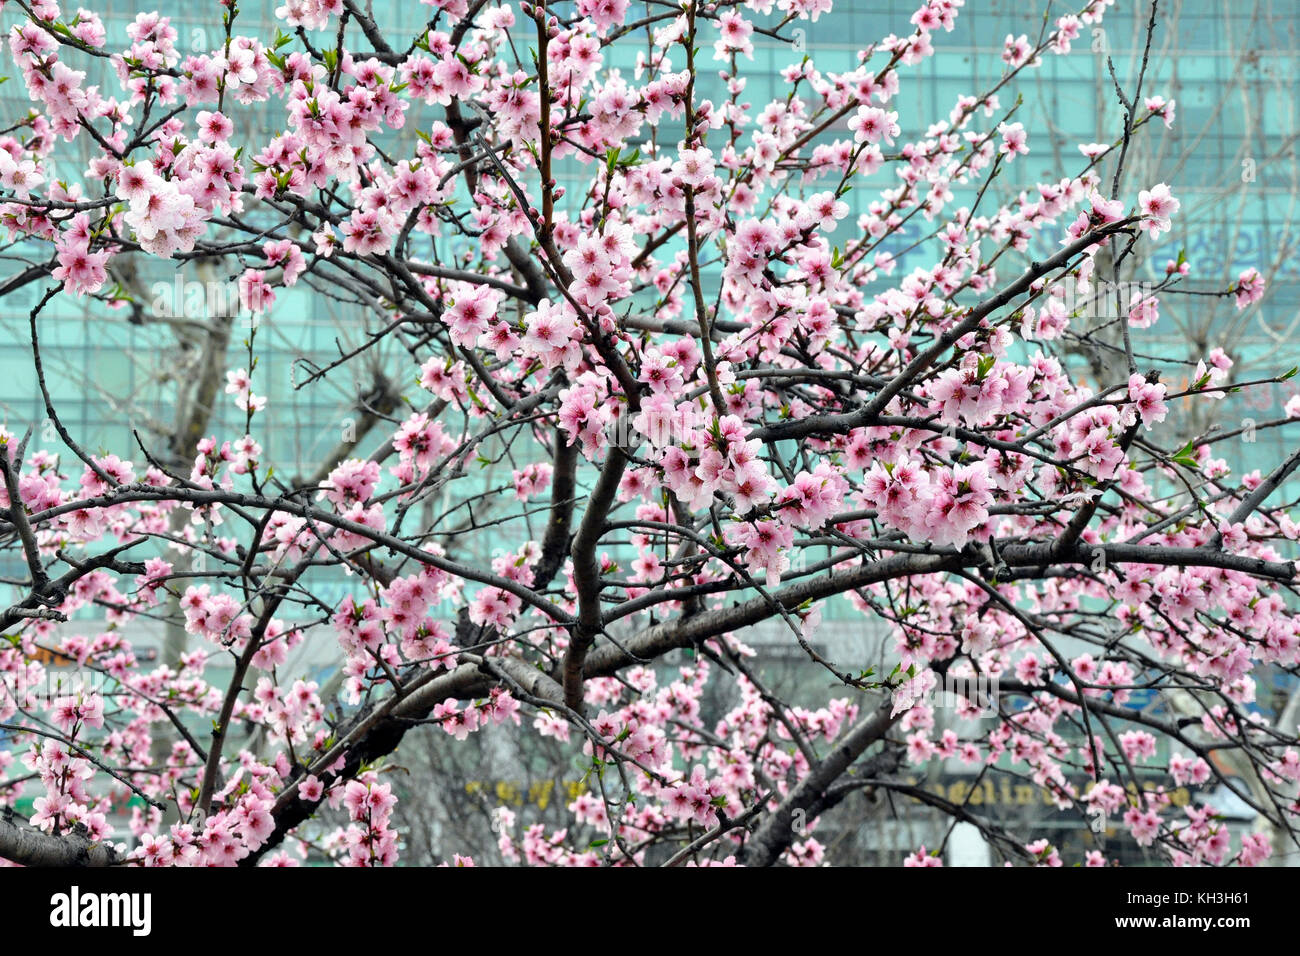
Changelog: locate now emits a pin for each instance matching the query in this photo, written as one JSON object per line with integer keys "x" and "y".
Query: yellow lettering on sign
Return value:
{"x": 575, "y": 788}
{"x": 540, "y": 793}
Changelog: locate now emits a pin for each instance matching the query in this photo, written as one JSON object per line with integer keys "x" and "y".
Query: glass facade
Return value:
{"x": 1229, "y": 157}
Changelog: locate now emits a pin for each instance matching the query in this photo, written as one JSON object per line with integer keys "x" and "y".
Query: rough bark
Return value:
{"x": 27, "y": 846}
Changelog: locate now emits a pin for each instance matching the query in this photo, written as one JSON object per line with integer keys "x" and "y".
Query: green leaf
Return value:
{"x": 1186, "y": 457}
